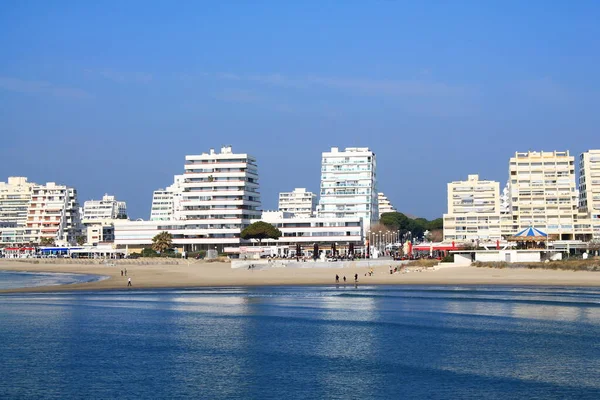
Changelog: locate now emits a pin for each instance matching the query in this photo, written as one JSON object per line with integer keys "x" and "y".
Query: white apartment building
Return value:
{"x": 14, "y": 201}
{"x": 220, "y": 198}
{"x": 349, "y": 185}
{"x": 106, "y": 209}
{"x": 206, "y": 208}
{"x": 543, "y": 193}
{"x": 166, "y": 201}
{"x": 473, "y": 211}
{"x": 589, "y": 184}
{"x": 15, "y": 195}
{"x": 98, "y": 217}
{"x": 384, "y": 204}
{"x": 299, "y": 202}
{"x": 53, "y": 213}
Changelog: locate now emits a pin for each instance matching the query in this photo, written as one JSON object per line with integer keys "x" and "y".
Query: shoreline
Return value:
{"x": 203, "y": 274}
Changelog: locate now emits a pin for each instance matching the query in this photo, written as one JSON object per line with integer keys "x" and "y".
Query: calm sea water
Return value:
{"x": 303, "y": 343}
{"x": 14, "y": 280}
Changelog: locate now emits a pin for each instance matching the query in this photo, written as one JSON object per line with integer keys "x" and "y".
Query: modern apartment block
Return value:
{"x": 384, "y": 204}
{"x": 543, "y": 193}
{"x": 299, "y": 202}
{"x": 98, "y": 217}
{"x": 206, "y": 208}
{"x": 220, "y": 198}
{"x": 349, "y": 185}
{"x": 589, "y": 184}
{"x": 106, "y": 209}
{"x": 15, "y": 196}
{"x": 166, "y": 201}
{"x": 473, "y": 211}
{"x": 53, "y": 213}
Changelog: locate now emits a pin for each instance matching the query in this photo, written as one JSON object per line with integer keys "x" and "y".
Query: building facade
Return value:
{"x": 220, "y": 197}
{"x": 106, "y": 209}
{"x": 299, "y": 202}
{"x": 473, "y": 211}
{"x": 384, "y": 204}
{"x": 15, "y": 195}
{"x": 166, "y": 201}
{"x": 307, "y": 232}
{"x": 543, "y": 193}
{"x": 589, "y": 184}
{"x": 53, "y": 213}
{"x": 349, "y": 185}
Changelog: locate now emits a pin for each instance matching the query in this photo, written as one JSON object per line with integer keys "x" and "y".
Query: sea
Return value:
{"x": 335, "y": 342}
{"x": 24, "y": 279}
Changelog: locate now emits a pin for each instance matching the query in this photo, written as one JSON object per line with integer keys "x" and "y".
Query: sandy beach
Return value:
{"x": 201, "y": 274}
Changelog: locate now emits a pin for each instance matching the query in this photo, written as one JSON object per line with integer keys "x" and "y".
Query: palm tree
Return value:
{"x": 162, "y": 242}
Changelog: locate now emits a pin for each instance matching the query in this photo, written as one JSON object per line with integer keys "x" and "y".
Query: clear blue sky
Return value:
{"x": 110, "y": 97}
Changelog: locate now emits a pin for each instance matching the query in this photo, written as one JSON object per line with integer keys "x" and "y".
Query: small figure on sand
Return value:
{"x": 344, "y": 278}
{"x": 337, "y": 278}
{"x": 121, "y": 272}
{"x": 125, "y": 271}
{"x": 128, "y": 282}
{"x": 355, "y": 278}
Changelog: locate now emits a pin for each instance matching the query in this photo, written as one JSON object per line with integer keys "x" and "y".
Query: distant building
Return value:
{"x": 166, "y": 201}
{"x": 589, "y": 184}
{"x": 106, "y": 209}
{"x": 207, "y": 207}
{"x": 349, "y": 185}
{"x": 543, "y": 193}
{"x": 98, "y": 217}
{"x": 15, "y": 196}
{"x": 385, "y": 206}
{"x": 299, "y": 202}
{"x": 53, "y": 213}
{"x": 473, "y": 211}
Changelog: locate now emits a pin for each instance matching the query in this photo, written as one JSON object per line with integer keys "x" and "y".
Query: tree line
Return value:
{"x": 396, "y": 221}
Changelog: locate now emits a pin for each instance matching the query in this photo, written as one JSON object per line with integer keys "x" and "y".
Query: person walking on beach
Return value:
{"x": 344, "y": 278}
{"x": 337, "y": 278}
{"x": 128, "y": 282}
{"x": 355, "y": 278}
{"x": 121, "y": 272}
{"x": 125, "y": 271}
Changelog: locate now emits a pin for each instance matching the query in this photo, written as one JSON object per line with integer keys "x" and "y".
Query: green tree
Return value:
{"x": 260, "y": 230}
{"x": 47, "y": 241}
{"x": 398, "y": 221}
{"x": 80, "y": 240}
{"x": 435, "y": 224}
{"x": 162, "y": 242}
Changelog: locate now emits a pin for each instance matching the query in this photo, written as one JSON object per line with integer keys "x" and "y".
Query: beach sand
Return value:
{"x": 202, "y": 274}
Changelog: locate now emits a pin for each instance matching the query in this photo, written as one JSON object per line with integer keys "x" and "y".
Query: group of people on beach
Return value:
{"x": 124, "y": 273}
{"x": 337, "y": 278}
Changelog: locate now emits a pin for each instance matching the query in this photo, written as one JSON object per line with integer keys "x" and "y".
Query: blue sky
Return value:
{"x": 110, "y": 97}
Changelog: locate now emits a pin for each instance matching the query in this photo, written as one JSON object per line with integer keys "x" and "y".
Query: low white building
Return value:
{"x": 306, "y": 231}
